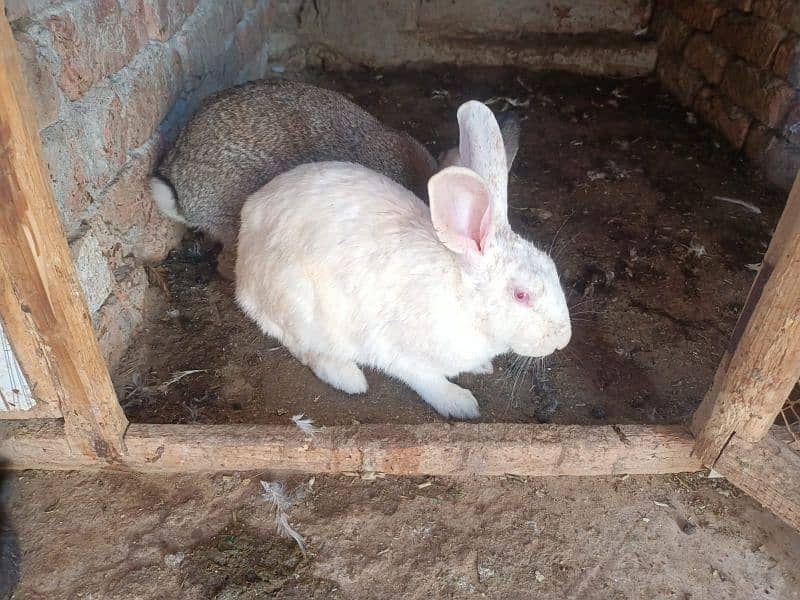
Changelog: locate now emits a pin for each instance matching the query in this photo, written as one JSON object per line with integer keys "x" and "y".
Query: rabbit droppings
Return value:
{"x": 242, "y": 137}
{"x": 345, "y": 267}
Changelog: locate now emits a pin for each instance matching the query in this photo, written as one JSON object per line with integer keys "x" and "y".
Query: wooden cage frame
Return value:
{"x": 78, "y": 422}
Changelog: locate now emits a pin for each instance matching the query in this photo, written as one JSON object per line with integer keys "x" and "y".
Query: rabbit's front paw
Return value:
{"x": 456, "y": 402}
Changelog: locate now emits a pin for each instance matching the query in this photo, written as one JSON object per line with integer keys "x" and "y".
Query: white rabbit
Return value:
{"x": 346, "y": 267}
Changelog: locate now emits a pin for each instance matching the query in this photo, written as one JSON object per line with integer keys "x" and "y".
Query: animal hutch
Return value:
{"x": 62, "y": 411}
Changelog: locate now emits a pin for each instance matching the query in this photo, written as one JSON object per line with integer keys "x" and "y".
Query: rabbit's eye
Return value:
{"x": 522, "y": 296}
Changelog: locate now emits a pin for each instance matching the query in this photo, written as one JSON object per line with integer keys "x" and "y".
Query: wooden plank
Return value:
{"x": 428, "y": 449}
{"x": 762, "y": 363}
{"x": 41, "y": 301}
{"x": 769, "y": 471}
{"x": 42, "y": 410}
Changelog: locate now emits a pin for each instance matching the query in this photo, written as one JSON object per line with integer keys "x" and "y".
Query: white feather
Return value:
{"x": 306, "y": 425}
{"x": 275, "y": 494}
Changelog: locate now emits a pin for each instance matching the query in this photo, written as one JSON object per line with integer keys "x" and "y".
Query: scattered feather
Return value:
{"x": 753, "y": 266}
{"x": 697, "y": 250}
{"x": 661, "y": 504}
{"x": 306, "y": 425}
{"x": 640, "y": 32}
{"x": 748, "y": 205}
{"x": 275, "y": 494}
{"x": 177, "y": 376}
{"x": 422, "y": 486}
{"x": 505, "y": 102}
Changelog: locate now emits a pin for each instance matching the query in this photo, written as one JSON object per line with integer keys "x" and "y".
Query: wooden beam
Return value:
{"x": 428, "y": 449}
{"x": 41, "y": 301}
{"x": 42, "y": 410}
{"x": 769, "y": 471}
{"x": 762, "y": 363}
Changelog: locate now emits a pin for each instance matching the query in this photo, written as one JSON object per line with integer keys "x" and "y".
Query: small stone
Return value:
{"x": 539, "y": 576}
{"x": 689, "y": 528}
{"x": 174, "y": 560}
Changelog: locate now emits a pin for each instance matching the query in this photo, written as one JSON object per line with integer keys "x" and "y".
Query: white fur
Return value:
{"x": 345, "y": 268}
{"x": 165, "y": 200}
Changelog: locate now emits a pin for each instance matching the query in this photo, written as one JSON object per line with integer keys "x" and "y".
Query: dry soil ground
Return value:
{"x": 657, "y": 267}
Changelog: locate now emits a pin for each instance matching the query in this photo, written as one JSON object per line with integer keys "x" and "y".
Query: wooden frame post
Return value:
{"x": 41, "y": 301}
{"x": 762, "y": 364}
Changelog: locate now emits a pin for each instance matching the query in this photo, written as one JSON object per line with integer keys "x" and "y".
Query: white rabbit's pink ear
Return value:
{"x": 460, "y": 209}
{"x": 482, "y": 150}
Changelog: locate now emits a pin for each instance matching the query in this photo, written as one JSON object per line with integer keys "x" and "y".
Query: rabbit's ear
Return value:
{"x": 460, "y": 209}
{"x": 482, "y": 150}
{"x": 509, "y": 123}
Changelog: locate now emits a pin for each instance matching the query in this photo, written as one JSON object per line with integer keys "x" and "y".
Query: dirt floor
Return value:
{"x": 126, "y": 537}
{"x": 656, "y": 262}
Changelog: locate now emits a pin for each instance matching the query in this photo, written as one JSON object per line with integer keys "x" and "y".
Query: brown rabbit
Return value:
{"x": 241, "y": 138}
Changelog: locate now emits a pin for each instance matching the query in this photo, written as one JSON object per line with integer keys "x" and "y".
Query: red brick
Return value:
{"x": 164, "y": 18}
{"x": 672, "y": 33}
{"x": 67, "y": 174}
{"x": 703, "y": 54}
{"x": 120, "y": 317}
{"x": 787, "y": 61}
{"x": 762, "y": 94}
{"x": 94, "y": 41}
{"x": 232, "y": 13}
{"x": 39, "y": 79}
{"x": 97, "y": 134}
{"x": 783, "y": 12}
{"x": 750, "y": 37}
{"x": 728, "y": 119}
{"x": 701, "y": 14}
{"x": 152, "y": 82}
{"x": 201, "y": 46}
{"x": 679, "y": 79}
{"x": 19, "y": 9}
{"x": 159, "y": 236}
{"x": 249, "y": 38}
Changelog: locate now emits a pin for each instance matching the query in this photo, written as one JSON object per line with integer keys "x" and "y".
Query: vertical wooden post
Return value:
{"x": 41, "y": 301}
{"x": 762, "y": 364}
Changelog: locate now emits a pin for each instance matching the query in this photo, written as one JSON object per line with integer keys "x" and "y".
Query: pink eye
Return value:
{"x": 522, "y": 296}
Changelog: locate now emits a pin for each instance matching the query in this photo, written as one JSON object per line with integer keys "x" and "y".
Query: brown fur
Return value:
{"x": 242, "y": 137}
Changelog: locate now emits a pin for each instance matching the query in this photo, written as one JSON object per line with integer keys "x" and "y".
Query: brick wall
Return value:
{"x": 736, "y": 63}
{"x": 110, "y": 79}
